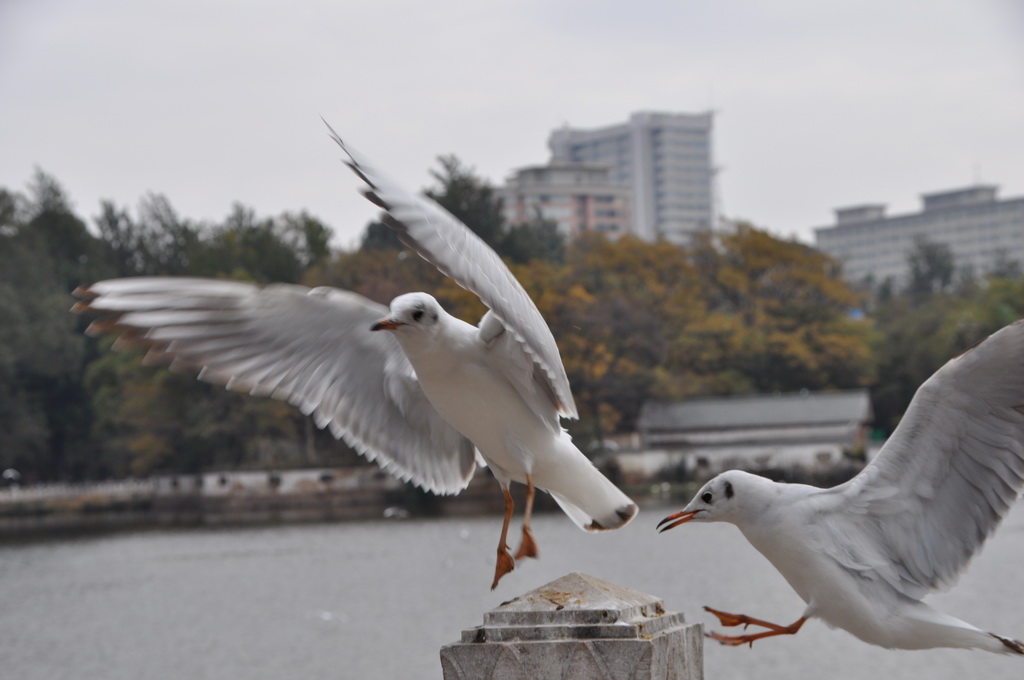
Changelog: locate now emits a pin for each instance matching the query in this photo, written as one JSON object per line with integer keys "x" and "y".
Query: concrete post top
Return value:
{"x": 578, "y": 627}
{"x": 576, "y": 606}
{"x": 575, "y": 598}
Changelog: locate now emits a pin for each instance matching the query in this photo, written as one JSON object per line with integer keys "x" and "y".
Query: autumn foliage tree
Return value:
{"x": 778, "y": 317}
{"x": 738, "y": 311}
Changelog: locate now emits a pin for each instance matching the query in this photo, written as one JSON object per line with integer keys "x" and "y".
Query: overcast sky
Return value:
{"x": 211, "y": 102}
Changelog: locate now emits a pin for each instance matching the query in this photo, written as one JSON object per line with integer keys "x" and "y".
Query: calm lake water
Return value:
{"x": 378, "y": 600}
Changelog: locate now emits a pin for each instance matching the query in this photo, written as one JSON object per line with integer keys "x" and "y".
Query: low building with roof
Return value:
{"x": 810, "y": 430}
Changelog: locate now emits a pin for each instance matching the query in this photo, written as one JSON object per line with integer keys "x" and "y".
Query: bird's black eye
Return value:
{"x": 706, "y": 496}
{"x": 728, "y": 490}
{"x": 417, "y": 315}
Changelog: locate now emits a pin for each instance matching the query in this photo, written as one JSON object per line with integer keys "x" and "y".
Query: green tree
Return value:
{"x": 307, "y": 236}
{"x": 73, "y": 255}
{"x": 45, "y": 251}
{"x": 155, "y": 420}
{"x": 917, "y": 333}
{"x": 247, "y": 247}
{"x": 931, "y": 266}
{"x": 172, "y": 244}
{"x": 538, "y": 239}
{"x": 128, "y": 254}
{"x": 470, "y": 198}
{"x": 379, "y": 236}
{"x": 1005, "y": 268}
{"x": 69, "y": 408}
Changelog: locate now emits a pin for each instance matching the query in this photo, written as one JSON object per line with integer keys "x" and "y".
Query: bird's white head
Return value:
{"x": 729, "y": 497}
{"x": 411, "y": 313}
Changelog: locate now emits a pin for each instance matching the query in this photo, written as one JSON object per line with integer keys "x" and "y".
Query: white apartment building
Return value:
{"x": 576, "y": 196}
{"x": 666, "y": 161}
{"x": 980, "y": 230}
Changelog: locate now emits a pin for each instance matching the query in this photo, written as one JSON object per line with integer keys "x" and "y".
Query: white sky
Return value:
{"x": 210, "y": 102}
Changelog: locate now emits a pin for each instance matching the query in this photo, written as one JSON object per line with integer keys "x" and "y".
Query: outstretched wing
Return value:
{"x": 311, "y": 348}
{"x": 946, "y": 477}
{"x": 456, "y": 251}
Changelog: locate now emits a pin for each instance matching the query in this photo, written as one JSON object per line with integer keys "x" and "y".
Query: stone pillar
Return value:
{"x": 578, "y": 628}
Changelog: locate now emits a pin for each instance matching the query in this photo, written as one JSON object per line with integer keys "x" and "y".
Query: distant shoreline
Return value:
{"x": 251, "y": 498}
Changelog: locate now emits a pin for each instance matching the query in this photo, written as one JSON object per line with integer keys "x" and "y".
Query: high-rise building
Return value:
{"x": 576, "y": 196}
{"x": 666, "y": 161}
{"x": 980, "y": 230}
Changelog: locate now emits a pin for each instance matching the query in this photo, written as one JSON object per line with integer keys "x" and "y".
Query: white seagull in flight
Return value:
{"x": 422, "y": 399}
{"x": 864, "y": 553}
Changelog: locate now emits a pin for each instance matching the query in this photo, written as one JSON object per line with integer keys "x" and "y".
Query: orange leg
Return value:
{"x": 527, "y": 546}
{"x": 727, "y": 619}
{"x": 505, "y": 563}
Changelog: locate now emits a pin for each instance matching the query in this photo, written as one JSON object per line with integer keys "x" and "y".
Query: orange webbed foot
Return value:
{"x": 504, "y": 565}
{"x": 731, "y": 640}
{"x": 727, "y": 619}
{"x": 527, "y": 546}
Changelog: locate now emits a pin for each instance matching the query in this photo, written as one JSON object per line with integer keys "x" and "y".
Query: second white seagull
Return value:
{"x": 864, "y": 553}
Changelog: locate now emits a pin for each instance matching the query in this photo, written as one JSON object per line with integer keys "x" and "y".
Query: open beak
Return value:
{"x": 386, "y": 325}
{"x": 681, "y": 517}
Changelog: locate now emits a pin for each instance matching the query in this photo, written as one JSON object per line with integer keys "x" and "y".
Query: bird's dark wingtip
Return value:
{"x": 334, "y": 135}
{"x": 85, "y": 292}
{"x": 1015, "y": 646}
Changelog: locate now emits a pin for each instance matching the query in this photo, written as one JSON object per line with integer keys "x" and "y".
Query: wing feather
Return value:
{"x": 311, "y": 348}
{"x": 457, "y": 252}
{"x": 947, "y": 476}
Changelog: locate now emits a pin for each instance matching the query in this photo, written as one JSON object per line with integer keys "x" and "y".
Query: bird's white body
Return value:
{"x": 458, "y": 374}
{"x": 476, "y": 383}
{"x": 784, "y": 530}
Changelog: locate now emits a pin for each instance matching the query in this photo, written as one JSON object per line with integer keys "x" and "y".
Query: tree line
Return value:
{"x": 737, "y": 311}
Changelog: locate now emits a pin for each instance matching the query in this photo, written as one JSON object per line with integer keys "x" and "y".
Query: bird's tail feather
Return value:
{"x": 584, "y": 494}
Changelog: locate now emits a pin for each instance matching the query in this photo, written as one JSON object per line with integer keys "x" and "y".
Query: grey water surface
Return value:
{"x": 378, "y": 599}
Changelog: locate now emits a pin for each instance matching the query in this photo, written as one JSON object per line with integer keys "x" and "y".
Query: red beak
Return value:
{"x": 386, "y": 325}
{"x": 677, "y": 518}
